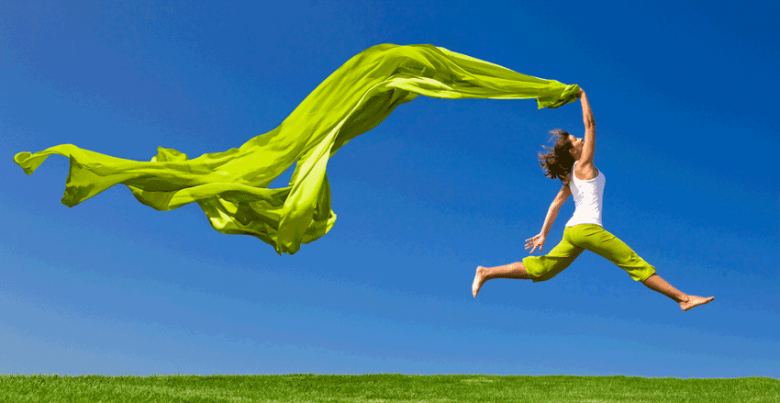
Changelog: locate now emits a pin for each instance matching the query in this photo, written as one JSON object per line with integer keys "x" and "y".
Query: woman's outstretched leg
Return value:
{"x": 656, "y": 283}
{"x": 596, "y": 239}
{"x": 512, "y": 270}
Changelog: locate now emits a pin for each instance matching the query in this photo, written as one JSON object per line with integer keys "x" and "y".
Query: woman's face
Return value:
{"x": 577, "y": 144}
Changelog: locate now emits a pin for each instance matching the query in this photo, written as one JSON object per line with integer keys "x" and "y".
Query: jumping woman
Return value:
{"x": 571, "y": 161}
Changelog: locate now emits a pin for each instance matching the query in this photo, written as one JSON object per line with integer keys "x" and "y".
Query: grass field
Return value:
{"x": 382, "y": 388}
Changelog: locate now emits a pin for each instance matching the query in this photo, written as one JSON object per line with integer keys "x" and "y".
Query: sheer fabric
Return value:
{"x": 232, "y": 186}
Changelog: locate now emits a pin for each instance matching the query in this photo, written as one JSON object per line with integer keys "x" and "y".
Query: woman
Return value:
{"x": 571, "y": 160}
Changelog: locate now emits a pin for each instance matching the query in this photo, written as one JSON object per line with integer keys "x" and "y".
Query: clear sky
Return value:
{"x": 684, "y": 96}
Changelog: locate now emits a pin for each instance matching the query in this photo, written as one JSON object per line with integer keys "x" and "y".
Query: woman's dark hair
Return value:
{"x": 558, "y": 161}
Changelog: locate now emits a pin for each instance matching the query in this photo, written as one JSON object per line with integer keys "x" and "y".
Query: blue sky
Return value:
{"x": 683, "y": 95}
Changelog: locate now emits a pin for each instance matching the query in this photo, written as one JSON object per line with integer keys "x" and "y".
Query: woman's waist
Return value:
{"x": 585, "y": 217}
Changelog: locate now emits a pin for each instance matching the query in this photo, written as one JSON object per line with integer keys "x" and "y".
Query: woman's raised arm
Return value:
{"x": 586, "y": 159}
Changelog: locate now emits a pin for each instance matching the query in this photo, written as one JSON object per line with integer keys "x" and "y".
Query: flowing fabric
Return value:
{"x": 232, "y": 186}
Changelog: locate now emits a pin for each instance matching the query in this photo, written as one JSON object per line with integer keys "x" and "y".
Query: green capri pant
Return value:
{"x": 595, "y": 239}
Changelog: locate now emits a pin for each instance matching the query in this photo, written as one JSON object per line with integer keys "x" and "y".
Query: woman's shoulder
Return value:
{"x": 584, "y": 172}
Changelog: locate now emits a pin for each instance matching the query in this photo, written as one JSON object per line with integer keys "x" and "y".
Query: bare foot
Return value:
{"x": 694, "y": 301}
{"x": 479, "y": 279}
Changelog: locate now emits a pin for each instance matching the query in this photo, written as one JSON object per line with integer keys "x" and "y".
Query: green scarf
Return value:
{"x": 231, "y": 186}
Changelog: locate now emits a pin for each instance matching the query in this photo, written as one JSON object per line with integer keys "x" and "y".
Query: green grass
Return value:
{"x": 382, "y": 388}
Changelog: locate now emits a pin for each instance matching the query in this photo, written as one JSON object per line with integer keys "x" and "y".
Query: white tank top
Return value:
{"x": 588, "y": 196}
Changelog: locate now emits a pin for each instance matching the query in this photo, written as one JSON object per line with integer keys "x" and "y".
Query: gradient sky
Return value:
{"x": 684, "y": 96}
